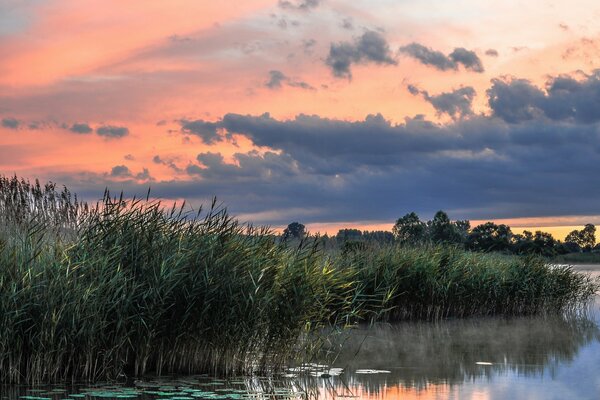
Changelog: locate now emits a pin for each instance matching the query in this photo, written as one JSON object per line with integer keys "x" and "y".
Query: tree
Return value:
{"x": 410, "y": 229}
{"x": 463, "y": 227}
{"x": 442, "y": 230}
{"x": 295, "y": 230}
{"x": 585, "y": 238}
{"x": 490, "y": 237}
{"x": 544, "y": 243}
{"x": 344, "y": 235}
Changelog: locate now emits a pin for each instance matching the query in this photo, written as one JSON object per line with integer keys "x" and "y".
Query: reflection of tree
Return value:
{"x": 418, "y": 354}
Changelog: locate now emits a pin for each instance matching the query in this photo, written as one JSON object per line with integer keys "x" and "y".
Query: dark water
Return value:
{"x": 519, "y": 358}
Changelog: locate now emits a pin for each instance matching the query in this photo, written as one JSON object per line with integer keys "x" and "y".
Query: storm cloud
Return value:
{"x": 459, "y": 56}
{"x": 526, "y": 157}
{"x": 370, "y": 47}
{"x": 564, "y": 99}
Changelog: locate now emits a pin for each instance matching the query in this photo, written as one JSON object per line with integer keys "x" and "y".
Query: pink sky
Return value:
{"x": 148, "y": 66}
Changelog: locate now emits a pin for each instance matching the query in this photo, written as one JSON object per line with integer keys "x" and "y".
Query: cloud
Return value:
{"x": 119, "y": 171}
{"x": 526, "y": 158}
{"x": 302, "y": 5}
{"x": 459, "y": 56}
{"x": 563, "y": 99}
{"x": 370, "y": 47}
{"x": 168, "y": 162}
{"x": 81, "y": 128}
{"x": 467, "y": 58}
{"x": 206, "y": 131}
{"x": 110, "y": 131}
{"x": 248, "y": 166}
{"x": 347, "y": 23}
{"x": 491, "y": 52}
{"x": 123, "y": 172}
{"x": 457, "y": 103}
{"x": 278, "y": 78}
{"x": 10, "y": 123}
{"x": 308, "y": 45}
{"x": 275, "y": 79}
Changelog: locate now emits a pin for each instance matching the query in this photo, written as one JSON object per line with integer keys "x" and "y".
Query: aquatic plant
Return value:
{"x": 432, "y": 282}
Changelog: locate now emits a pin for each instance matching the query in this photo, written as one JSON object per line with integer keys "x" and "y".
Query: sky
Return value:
{"x": 328, "y": 112}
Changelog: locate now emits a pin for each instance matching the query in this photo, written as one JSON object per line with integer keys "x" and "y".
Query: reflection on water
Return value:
{"x": 426, "y": 360}
{"x": 492, "y": 358}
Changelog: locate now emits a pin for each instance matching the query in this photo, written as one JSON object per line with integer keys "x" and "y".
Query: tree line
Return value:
{"x": 487, "y": 237}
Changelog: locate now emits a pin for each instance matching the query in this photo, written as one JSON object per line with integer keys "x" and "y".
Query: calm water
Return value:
{"x": 522, "y": 358}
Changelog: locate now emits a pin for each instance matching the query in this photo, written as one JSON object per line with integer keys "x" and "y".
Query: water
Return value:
{"x": 492, "y": 358}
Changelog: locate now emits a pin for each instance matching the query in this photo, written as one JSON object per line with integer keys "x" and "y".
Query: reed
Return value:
{"x": 128, "y": 287}
{"x": 433, "y": 282}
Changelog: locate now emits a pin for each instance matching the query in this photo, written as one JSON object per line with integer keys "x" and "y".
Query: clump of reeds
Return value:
{"x": 432, "y": 282}
{"x": 142, "y": 289}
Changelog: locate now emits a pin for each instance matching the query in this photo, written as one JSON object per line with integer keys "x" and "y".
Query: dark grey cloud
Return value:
{"x": 564, "y": 99}
{"x": 110, "y": 131}
{"x": 249, "y": 166}
{"x": 277, "y": 79}
{"x": 459, "y": 56}
{"x": 10, "y": 123}
{"x": 491, "y": 52}
{"x": 370, "y": 47}
{"x": 119, "y": 171}
{"x": 123, "y": 172}
{"x": 319, "y": 169}
{"x": 302, "y": 5}
{"x": 457, "y": 103}
{"x": 81, "y": 128}
{"x": 206, "y": 131}
{"x": 168, "y": 162}
{"x": 467, "y": 58}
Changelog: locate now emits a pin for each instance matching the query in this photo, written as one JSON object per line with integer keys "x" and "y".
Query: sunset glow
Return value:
{"x": 333, "y": 113}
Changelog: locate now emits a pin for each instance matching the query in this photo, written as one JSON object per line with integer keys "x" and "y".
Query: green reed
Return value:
{"x": 432, "y": 282}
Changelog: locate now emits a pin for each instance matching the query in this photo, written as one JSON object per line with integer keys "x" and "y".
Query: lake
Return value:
{"x": 483, "y": 358}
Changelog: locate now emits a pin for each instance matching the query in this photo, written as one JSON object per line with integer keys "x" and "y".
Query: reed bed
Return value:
{"x": 127, "y": 287}
{"x": 433, "y": 282}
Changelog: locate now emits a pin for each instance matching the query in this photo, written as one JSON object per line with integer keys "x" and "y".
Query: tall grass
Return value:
{"x": 129, "y": 287}
{"x": 432, "y": 282}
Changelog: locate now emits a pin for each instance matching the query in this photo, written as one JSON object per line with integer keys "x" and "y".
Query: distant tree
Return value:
{"x": 442, "y": 230}
{"x": 378, "y": 236}
{"x": 490, "y": 237}
{"x": 522, "y": 243}
{"x": 344, "y": 235}
{"x": 585, "y": 238}
{"x": 463, "y": 227}
{"x": 410, "y": 229}
{"x": 544, "y": 244}
{"x": 295, "y": 230}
